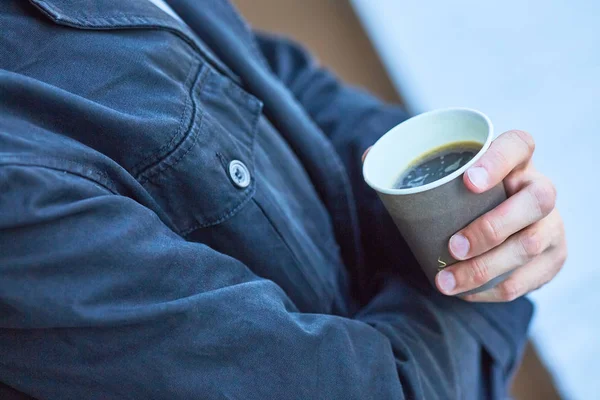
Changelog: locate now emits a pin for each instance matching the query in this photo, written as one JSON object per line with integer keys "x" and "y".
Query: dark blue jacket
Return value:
{"x": 138, "y": 262}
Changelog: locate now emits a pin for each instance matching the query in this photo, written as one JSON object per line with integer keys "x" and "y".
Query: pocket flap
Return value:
{"x": 210, "y": 175}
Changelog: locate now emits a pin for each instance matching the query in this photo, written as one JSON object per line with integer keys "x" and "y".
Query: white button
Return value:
{"x": 239, "y": 173}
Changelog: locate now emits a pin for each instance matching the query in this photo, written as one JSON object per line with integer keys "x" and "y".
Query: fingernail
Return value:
{"x": 478, "y": 177}
{"x": 459, "y": 245}
{"x": 446, "y": 281}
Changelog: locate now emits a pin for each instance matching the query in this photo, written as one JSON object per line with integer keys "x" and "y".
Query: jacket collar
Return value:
{"x": 119, "y": 14}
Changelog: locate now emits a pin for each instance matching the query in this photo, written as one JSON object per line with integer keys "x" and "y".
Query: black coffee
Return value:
{"x": 437, "y": 163}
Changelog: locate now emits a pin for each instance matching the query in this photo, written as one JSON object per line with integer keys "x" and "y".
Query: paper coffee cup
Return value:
{"x": 427, "y": 216}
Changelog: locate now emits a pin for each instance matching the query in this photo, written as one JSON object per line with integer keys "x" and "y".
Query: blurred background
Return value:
{"x": 528, "y": 64}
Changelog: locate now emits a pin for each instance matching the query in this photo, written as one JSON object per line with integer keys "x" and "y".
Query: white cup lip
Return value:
{"x": 447, "y": 178}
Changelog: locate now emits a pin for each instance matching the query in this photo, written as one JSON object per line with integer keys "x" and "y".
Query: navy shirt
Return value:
{"x": 182, "y": 215}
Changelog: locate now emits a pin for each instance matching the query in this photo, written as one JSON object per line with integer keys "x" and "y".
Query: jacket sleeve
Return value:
{"x": 100, "y": 299}
{"x": 354, "y": 120}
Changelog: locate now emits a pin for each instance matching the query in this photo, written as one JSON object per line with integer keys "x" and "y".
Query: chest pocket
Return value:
{"x": 164, "y": 107}
{"x": 209, "y": 175}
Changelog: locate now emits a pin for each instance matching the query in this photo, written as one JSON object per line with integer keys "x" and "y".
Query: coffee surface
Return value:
{"x": 437, "y": 163}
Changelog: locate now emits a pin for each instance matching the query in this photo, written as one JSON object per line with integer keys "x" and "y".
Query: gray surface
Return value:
{"x": 428, "y": 219}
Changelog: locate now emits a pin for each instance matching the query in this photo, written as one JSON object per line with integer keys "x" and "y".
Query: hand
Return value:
{"x": 524, "y": 234}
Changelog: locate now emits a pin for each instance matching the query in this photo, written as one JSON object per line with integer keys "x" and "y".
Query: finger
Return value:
{"x": 517, "y": 251}
{"x": 519, "y": 178}
{"x": 523, "y": 280}
{"x": 365, "y": 153}
{"x": 510, "y": 150}
{"x": 524, "y": 208}
{"x": 559, "y": 229}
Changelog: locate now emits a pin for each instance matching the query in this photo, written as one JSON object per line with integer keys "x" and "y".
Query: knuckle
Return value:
{"x": 479, "y": 271}
{"x": 541, "y": 284}
{"x": 546, "y": 278}
{"x": 490, "y": 230}
{"x": 496, "y": 159}
{"x": 561, "y": 226}
{"x": 510, "y": 290}
{"x": 526, "y": 139}
{"x": 545, "y": 197}
{"x": 532, "y": 243}
{"x": 563, "y": 253}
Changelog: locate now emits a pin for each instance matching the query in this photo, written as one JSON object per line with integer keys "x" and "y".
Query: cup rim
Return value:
{"x": 447, "y": 178}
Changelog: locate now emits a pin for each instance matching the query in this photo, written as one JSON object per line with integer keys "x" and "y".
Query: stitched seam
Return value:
{"x": 25, "y": 163}
{"x": 132, "y": 22}
{"x": 166, "y": 164}
{"x": 253, "y": 133}
{"x": 196, "y": 117}
{"x": 249, "y": 193}
{"x": 68, "y": 161}
{"x": 163, "y": 163}
{"x": 56, "y": 11}
{"x": 196, "y": 134}
{"x": 49, "y": 9}
{"x": 255, "y": 109}
{"x": 245, "y": 199}
{"x": 156, "y": 155}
